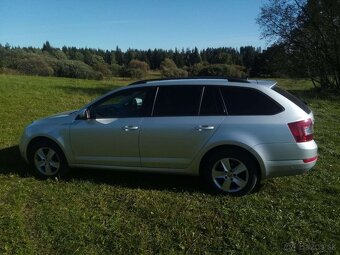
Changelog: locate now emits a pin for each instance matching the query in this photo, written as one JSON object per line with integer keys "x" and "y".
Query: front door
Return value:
{"x": 111, "y": 135}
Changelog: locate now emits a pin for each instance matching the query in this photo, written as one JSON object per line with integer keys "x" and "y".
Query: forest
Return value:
{"x": 97, "y": 63}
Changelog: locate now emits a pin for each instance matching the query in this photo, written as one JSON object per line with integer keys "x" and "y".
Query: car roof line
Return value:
{"x": 228, "y": 79}
{"x": 266, "y": 83}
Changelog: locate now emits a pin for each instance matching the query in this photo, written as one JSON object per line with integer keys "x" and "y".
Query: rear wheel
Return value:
{"x": 231, "y": 172}
{"x": 47, "y": 160}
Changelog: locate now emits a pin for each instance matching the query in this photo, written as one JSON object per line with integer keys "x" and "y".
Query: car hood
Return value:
{"x": 59, "y": 118}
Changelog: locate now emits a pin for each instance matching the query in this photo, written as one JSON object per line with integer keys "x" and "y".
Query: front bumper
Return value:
{"x": 23, "y": 145}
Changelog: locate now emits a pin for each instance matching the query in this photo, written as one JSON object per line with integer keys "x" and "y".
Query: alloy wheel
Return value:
{"x": 47, "y": 161}
{"x": 230, "y": 174}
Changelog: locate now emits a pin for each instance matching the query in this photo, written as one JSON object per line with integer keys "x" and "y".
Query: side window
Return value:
{"x": 124, "y": 104}
{"x": 212, "y": 103}
{"x": 177, "y": 101}
{"x": 247, "y": 101}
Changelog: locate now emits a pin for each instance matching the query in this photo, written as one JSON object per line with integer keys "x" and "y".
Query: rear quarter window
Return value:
{"x": 293, "y": 99}
{"x": 249, "y": 101}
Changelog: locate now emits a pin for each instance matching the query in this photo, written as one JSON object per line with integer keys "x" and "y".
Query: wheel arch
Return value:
{"x": 37, "y": 139}
{"x": 249, "y": 151}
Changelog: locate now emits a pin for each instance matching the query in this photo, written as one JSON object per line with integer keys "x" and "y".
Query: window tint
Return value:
{"x": 177, "y": 101}
{"x": 126, "y": 103}
{"x": 212, "y": 103}
{"x": 247, "y": 101}
{"x": 293, "y": 99}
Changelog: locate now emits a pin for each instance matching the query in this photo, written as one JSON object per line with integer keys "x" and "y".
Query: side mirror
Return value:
{"x": 84, "y": 115}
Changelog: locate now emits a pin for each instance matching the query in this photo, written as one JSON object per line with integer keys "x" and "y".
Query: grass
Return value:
{"x": 104, "y": 212}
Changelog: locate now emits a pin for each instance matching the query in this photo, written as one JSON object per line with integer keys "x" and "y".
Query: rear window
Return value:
{"x": 248, "y": 101}
{"x": 293, "y": 99}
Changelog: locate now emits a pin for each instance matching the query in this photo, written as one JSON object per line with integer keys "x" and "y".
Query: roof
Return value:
{"x": 202, "y": 80}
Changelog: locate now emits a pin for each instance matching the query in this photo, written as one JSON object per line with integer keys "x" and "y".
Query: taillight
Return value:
{"x": 302, "y": 130}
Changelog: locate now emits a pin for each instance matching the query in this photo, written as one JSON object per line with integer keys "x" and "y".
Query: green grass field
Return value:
{"x": 106, "y": 212}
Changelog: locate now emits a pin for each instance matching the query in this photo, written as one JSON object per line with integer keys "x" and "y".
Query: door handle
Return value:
{"x": 204, "y": 127}
{"x": 128, "y": 128}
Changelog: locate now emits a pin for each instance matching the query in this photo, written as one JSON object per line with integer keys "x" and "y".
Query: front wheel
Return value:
{"x": 47, "y": 160}
{"x": 230, "y": 172}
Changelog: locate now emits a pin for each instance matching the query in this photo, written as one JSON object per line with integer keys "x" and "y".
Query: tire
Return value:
{"x": 231, "y": 171}
{"x": 47, "y": 160}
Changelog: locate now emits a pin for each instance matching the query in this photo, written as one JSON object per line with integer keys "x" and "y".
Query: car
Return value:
{"x": 234, "y": 133}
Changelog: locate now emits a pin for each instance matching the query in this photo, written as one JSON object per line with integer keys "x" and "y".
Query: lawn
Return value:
{"x": 107, "y": 212}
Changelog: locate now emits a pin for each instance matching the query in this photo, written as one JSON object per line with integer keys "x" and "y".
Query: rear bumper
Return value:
{"x": 287, "y": 167}
{"x": 284, "y": 159}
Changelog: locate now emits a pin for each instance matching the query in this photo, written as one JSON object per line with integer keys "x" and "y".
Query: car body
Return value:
{"x": 177, "y": 125}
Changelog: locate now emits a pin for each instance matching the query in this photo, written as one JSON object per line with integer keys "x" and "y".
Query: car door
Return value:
{"x": 110, "y": 135}
{"x": 177, "y": 129}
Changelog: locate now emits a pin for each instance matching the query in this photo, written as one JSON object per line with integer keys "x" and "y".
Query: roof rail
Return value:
{"x": 192, "y": 78}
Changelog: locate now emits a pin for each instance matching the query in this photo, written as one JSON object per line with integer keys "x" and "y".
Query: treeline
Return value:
{"x": 87, "y": 63}
{"x": 90, "y": 63}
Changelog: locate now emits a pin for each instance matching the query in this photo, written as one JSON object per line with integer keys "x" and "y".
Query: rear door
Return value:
{"x": 178, "y": 129}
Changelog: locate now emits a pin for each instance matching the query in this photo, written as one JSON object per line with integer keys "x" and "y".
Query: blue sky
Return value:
{"x": 136, "y": 24}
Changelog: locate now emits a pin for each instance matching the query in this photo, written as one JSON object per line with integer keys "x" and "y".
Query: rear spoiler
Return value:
{"x": 266, "y": 83}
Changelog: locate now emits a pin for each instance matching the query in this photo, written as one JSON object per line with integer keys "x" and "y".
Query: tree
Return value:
{"x": 110, "y": 57}
{"x": 248, "y": 54}
{"x": 76, "y": 69}
{"x": 178, "y": 58}
{"x": 169, "y": 69}
{"x": 34, "y": 65}
{"x": 119, "y": 56}
{"x": 47, "y": 47}
{"x": 135, "y": 69}
{"x": 195, "y": 57}
{"x": 137, "y": 64}
{"x": 309, "y": 31}
{"x": 129, "y": 56}
{"x": 2, "y": 56}
{"x": 222, "y": 70}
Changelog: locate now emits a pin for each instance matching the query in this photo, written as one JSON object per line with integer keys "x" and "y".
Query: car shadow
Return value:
{"x": 12, "y": 163}
{"x": 138, "y": 180}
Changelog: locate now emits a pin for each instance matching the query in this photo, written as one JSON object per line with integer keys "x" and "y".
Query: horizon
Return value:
{"x": 114, "y": 49}
{"x": 131, "y": 24}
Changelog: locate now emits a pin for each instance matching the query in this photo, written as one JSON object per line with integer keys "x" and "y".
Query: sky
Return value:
{"x": 141, "y": 24}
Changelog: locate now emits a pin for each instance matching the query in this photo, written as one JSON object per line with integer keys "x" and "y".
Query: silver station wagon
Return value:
{"x": 232, "y": 132}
